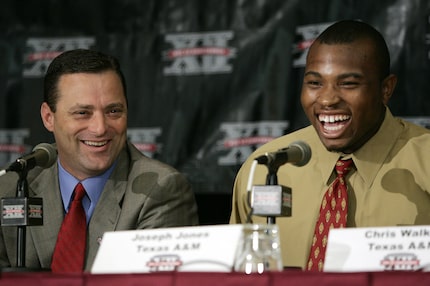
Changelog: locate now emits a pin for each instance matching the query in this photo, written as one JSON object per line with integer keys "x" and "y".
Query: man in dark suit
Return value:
{"x": 85, "y": 107}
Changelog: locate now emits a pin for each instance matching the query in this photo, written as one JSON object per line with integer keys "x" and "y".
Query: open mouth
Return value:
{"x": 95, "y": 143}
{"x": 332, "y": 123}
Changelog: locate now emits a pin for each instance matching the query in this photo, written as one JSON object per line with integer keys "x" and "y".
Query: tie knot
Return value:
{"x": 79, "y": 192}
{"x": 343, "y": 167}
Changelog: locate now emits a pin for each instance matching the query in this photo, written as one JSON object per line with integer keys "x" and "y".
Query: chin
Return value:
{"x": 335, "y": 147}
{"x": 97, "y": 167}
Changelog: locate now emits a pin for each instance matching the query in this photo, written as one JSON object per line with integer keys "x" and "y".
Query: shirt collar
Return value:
{"x": 372, "y": 155}
{"x": 369, "y": 158}
{"x": 93, "y": 185}
{"x": 327, "y": 161}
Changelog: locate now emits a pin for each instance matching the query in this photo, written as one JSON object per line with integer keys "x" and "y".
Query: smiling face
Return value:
{"x": 90, "y": 122}
{"x": 343, "y": 94}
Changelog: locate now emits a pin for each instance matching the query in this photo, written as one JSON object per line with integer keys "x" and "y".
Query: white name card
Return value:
{"x": 378, "y": 249}
{"x": 198, "y": 248}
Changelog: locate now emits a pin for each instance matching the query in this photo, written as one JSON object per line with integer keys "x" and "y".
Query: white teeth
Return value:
{"x": 96, "y": 144}
{"x": 332, "y": 118}
{"x": 332, "y": 128}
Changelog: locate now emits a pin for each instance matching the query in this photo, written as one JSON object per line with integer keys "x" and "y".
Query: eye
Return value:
{"x": 313, "y": 83}
{"x": 81, "y": 113}
{"x": 349, "y": 84}
{"x": 115, "y": 111}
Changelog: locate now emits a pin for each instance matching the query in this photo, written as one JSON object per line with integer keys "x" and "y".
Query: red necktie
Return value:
{"x": 333, "y": 214}
{"x": 69, "y": 252}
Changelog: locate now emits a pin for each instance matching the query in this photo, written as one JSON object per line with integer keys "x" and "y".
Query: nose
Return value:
{"x": 98, "y": 124}
{"x": 328, "y": 96}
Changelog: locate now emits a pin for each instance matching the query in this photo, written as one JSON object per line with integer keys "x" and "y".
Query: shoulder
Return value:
{"x": 144, "y": 163}
{"x": 37, "y": 180}
{"x": 8, "y": 184}
{"x": 414, "y": 134}
{"x": 143, "y": 169}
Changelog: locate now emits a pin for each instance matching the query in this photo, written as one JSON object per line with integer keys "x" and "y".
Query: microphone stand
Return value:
{"x": 25, "y": 211}
{"x": 272, "y": 179}
{"x": 21, "y": 192}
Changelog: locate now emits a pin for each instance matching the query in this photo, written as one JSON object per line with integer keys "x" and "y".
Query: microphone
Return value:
{"x": 276, "y": 200}
{"x": 297, "y": 153}
{"x": 26, "y": 211}
{"x": 271, "y": 201}
{"x": 43, "y": 155}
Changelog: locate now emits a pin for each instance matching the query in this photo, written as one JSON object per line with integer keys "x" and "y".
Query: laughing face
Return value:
{"x": 343, "y": 94}
{"x": 90, "y": 122}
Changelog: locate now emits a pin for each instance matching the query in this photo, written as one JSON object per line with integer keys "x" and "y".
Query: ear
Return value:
{"x": 388, "y": 86}
{"x": 47, "y": 116}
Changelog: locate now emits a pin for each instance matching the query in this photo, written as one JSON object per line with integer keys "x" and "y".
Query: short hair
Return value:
{"x": 349, "y": 31}
{"x": 77, "y": 61}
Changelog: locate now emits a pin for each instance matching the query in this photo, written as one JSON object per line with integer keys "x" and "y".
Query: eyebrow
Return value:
{"x": 342, "y": 76}
{"x": 352, "y": 74}
{"x": 312, "y": 73}
{"x": 90, "y": 106}
{"x": 116, "y": 104}
{"x": 82, "y": 106}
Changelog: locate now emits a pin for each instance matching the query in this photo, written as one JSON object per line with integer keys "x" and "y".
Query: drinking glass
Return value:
{"x": 259, "y": 249}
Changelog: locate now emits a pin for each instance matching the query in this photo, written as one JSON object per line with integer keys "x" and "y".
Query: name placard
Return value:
{"x": 378, "y": 249}
{"x": 198, "y": 248}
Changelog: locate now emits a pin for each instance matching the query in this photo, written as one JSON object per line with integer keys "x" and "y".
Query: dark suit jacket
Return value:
{"x": 141, "y": 193}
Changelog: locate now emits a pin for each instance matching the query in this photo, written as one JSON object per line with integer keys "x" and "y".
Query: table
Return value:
{"x": 285, "y": 278}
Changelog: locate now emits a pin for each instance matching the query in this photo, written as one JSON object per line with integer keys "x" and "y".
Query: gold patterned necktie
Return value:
{"x": 69, "y": 252}
{"x": 333, "y": 214}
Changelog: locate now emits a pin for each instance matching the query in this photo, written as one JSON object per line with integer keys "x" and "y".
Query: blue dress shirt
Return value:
{"x": 93, "y": 187}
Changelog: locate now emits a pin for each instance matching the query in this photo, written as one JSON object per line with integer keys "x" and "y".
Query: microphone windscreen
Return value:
{"x": 49, "y": 158}
{"x": 305, "y": 151}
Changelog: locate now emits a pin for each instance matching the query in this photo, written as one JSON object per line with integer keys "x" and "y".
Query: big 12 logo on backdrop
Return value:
{"x": 242, "y": 138}
{"x": 198, "y": 53}
{"x": 41, "y": 51}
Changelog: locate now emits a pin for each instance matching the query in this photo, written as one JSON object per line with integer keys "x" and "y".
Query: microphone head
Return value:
{"x": 49, "y": 157}
{"x": 305, "y": 152}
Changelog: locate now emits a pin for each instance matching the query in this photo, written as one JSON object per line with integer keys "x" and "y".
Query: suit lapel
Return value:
{"x": 105, "y": 217}
{"x": 108, "y": 209}
{"x": 44, "y": 237}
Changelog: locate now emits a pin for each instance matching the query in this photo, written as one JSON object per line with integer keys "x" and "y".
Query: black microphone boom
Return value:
{"x": 298, "y": 153}
{"x": 22, "y": 211}
{"x": 43, "y": 155}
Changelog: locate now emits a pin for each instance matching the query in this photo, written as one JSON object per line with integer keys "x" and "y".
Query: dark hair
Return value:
{"x": 77, "y": 61}
{"x": 349, "y": 31}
